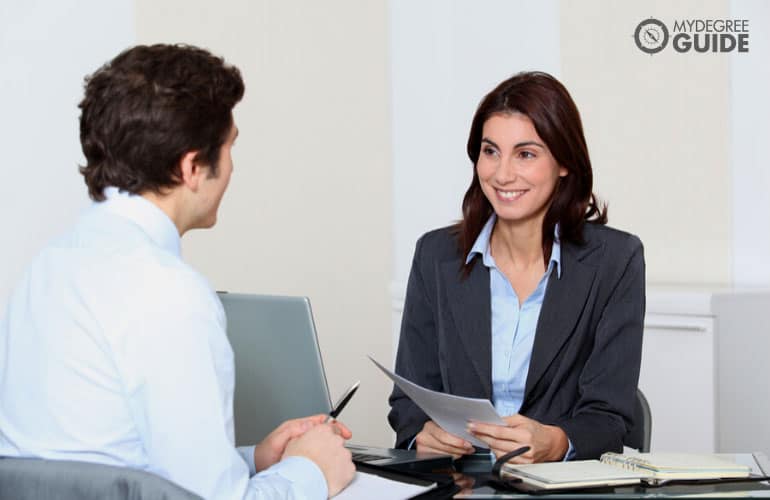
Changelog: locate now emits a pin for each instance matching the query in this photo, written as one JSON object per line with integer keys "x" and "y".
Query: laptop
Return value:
{"x": 279, "y": 374}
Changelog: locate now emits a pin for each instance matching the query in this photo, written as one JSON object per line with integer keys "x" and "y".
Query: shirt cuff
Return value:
{"x": 247, "y": 454}
{"x": 570, "y": 452}
{"x": 411, "y": 443}
{"x": 305, "y": 476}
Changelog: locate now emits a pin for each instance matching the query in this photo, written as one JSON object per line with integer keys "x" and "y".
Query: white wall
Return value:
{"x": 749, "y": 122}
{"x": 308, "y": 210}
{"x": 658, "y": 132}
{"x": 445, "y": 56}
{"x": 45, "y": 50}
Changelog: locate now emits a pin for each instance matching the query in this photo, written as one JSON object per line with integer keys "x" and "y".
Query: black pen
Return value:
{"x": 342, "y": 402}
{"x": 502, "y": 460}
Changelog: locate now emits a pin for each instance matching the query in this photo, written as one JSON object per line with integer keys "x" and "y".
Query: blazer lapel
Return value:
{"x": 563, "y": 304}
{"x": 470, "y": 309}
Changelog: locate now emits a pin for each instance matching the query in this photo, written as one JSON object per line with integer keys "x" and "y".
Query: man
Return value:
{"x": 112, "y": 349}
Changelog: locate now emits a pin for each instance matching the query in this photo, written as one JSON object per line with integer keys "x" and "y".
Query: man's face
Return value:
{"x": 212, "y": 188}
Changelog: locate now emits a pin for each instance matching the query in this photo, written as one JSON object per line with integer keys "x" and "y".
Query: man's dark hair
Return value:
{"x": 149, "y": 106}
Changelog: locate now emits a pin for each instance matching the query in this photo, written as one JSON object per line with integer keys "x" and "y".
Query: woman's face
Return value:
{"x": 515, "y": 168}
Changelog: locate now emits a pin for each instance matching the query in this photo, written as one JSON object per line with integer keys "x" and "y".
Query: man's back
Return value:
{"x": 114, "y": 351}
{"x": 73, "y": 340}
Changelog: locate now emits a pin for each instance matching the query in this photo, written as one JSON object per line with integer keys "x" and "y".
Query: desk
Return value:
{"x": 471, "y": 474}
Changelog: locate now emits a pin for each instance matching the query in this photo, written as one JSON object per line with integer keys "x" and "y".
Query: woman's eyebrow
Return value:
{"x": 490, "y": 141}
{"x": 516, "y": 146}
{"x": 529, "y": 143}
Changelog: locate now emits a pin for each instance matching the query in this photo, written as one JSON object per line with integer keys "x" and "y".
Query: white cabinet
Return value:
{"x": 704, "y": 369}
{"x": 743, "y": 358}
{"x": 678, "y": 377}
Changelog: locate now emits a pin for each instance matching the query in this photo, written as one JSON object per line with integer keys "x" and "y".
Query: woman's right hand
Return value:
{"x": 434, "y": 439}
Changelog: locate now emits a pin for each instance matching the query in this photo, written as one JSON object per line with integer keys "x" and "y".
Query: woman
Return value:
{"x": 530, "y": 300}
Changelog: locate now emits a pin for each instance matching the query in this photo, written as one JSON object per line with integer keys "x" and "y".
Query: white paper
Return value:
{"x": 374, "y": 487}
{"x": 451, "y": 413}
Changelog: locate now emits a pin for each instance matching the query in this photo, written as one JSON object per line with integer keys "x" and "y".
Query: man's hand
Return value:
{"x": 324, "y": 445}
{"x": 547, "y": 443}
{"x": 272, "y": 448}
{"x": 434, "y": 439}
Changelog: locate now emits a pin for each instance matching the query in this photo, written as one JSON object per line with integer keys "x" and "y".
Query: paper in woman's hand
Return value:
{"x": 451, "y": 413}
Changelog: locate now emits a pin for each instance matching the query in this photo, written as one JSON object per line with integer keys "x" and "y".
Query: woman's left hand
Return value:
{"x": 547, "y": 443}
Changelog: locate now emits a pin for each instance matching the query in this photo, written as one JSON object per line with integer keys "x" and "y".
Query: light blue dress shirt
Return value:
{"x": 513, "y": 325}
{"x": 113, "y": 350}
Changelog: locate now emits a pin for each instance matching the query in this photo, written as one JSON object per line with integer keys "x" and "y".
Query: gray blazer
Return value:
{"x": 588, "y": 342}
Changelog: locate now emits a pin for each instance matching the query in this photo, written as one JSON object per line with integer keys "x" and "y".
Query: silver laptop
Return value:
{"x": 279, "y": 373}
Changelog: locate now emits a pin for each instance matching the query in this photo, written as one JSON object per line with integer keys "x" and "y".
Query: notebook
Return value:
{"x": 614, "y": 469}
{"x": 678, "y": 465}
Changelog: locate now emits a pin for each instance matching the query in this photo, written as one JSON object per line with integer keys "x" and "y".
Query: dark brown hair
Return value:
{"x": 149, "y": 106}
{"x": 546, "y": 102}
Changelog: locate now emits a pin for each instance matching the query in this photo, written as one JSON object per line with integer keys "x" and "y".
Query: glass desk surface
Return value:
{"x": 471, "y": 474}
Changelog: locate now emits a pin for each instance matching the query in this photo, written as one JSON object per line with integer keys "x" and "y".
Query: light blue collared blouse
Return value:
{"x": 513, "y": 325}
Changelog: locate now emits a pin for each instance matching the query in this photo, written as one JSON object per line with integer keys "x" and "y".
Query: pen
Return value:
{"x": 502, "y": 460}
{"x": 342, "y": 402}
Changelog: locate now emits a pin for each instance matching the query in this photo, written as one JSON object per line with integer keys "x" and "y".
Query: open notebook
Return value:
{"x": 614, "y": 469}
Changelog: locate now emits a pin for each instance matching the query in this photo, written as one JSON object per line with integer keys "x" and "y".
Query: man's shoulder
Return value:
{"x": 110, "y": 255}
{"x": 162, "y": 276}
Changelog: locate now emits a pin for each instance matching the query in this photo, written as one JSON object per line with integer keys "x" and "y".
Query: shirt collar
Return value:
{"x": 481, "y": 247}
{"x": 145, "y": 214}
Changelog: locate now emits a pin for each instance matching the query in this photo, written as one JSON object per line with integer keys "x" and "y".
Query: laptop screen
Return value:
{"x": 279, "y": 372}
